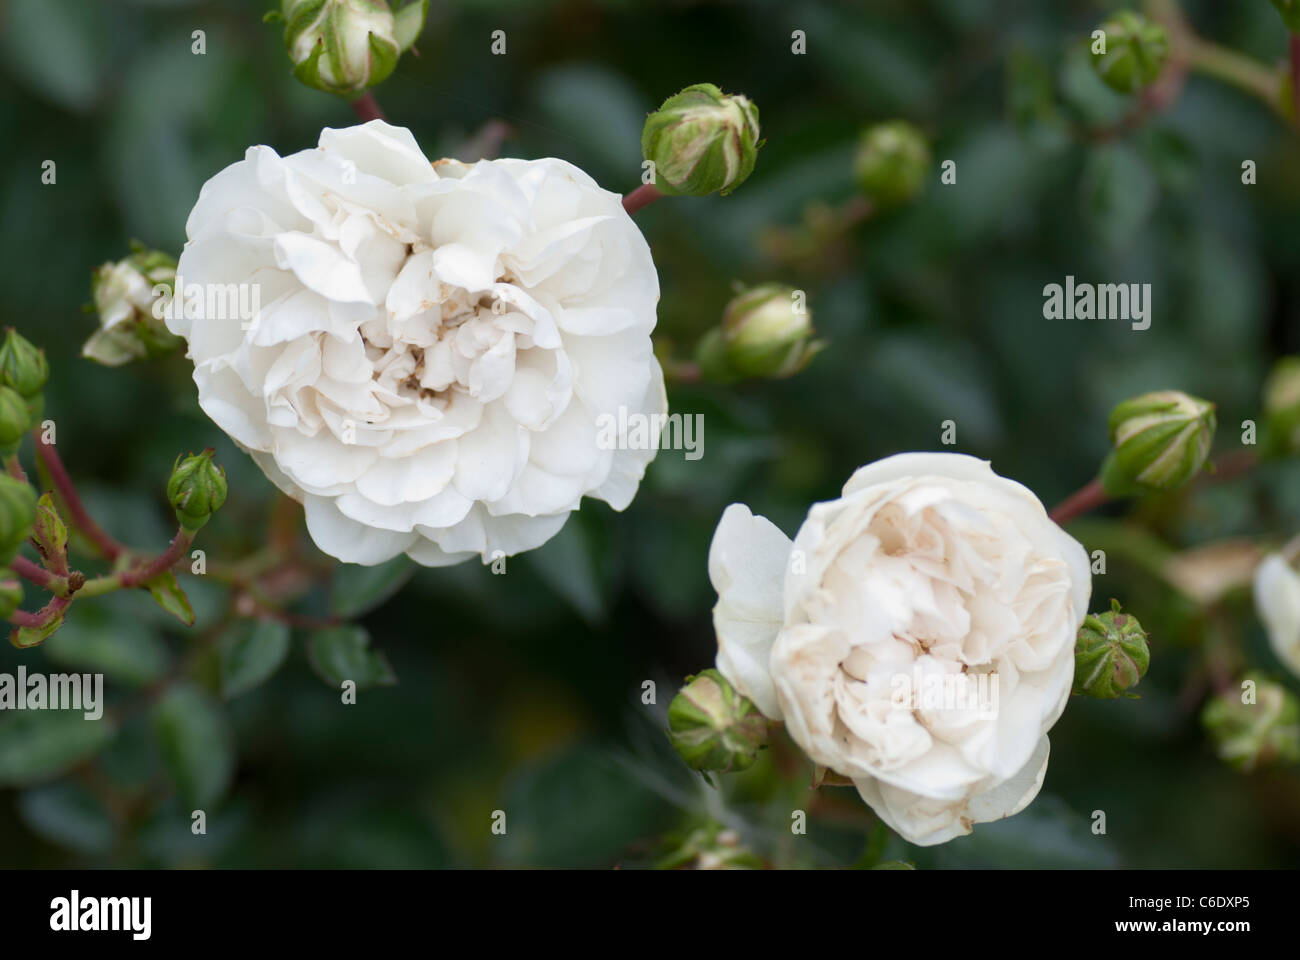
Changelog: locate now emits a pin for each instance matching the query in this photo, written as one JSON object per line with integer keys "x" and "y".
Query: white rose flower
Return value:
{"x": 1277, "y": 599}
{"x": 436, "y": 344}
{"x": 929, "y": 565}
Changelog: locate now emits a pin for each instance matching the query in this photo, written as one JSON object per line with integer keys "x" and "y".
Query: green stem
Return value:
{"x": 1235, "y": 69}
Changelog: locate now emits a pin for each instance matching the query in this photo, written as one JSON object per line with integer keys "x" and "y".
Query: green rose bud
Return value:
{"x": 1110, "y": 654}
{"x": 17, "y": 515}
{"x": 713, "y": 727}
{"x": 1282, "y": 407}
{"x": 22, "y": 367}
{"x": 15, "y": 420}
{"x": 711, "y": 848}
{"x": 1160, "y": 440}
{"x": 1136, "y": 51}
{"x": 11, "y": 593}
{"x": 130, "y": 297}
{"x": 345, "y": 46}
{"x": 766, "y": 331}
{"x": 891, "y": 163}
{"x": 1290, "y": 11}
{"x": 196, "y": 490}
{"x": 1252, "y": 732}
{"x": 701, "y": 141}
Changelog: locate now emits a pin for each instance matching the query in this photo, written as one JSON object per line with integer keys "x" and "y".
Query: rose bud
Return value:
{"x": 1282, "y": 407}
{"x": 1136, "y": 51}
{"x": 766, "y": 331}
{"x": 17, "y": 515}
{"x": 15, "y": 420}
{"x": 131, "y": 321}
{"x": 196, "y": 490}
{"x": 345, "y": 46}
{"x": 891, "y": 163}
{"x": 1110, "y": 655}
{"x": 713, "y": 727}
{"x": 1250, "y": 736}
{"x": 1160, "y": 441}
{"x": 22, "y": 367}
{"x": 11, "y": 593}
{"x": 711, "y": 848}
{"x": 701, "y": 141}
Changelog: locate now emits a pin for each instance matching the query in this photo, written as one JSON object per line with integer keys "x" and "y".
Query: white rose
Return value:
{"x": 1277, "y": 599}
{"x": 929, "y": 565}
{"x": 436, "y": 344}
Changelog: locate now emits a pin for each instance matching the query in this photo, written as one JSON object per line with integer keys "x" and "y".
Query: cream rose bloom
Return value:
{"x": 436, "y": 343}
{"x": 929, "y": 564}
{"x": 1277, "y": 599}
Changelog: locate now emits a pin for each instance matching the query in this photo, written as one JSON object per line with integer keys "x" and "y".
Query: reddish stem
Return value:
{"x": 1294, "y": 47}
{"x": 366, "y": 107}
{"x": 1078, "y": 503}
{"x": 41, "y": 617}
{"x": 39, "y": 575}
{"x": 77, "y": 512}
{"x": 159, "y": 564}
{"x": 642, "y": 196}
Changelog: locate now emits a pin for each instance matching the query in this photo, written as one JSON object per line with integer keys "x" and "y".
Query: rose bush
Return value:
{"x": 928, "y": 564}
{"x": 435, "y": 346}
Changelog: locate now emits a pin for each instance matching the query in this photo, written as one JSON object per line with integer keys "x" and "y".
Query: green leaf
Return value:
{"x": 43, "y": 744}
{"x": 68, "y": 815}
{"x": 342, "y": 653}
{"x": 356, "y": 590}
{"x": 196, "y": 745}
{"x": 167, "y": 593}
{"x": 250, "y": 652}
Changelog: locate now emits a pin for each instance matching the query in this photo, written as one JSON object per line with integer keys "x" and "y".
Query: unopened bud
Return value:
{"x": 1160, "y": 441}
{"x": 766, "y": 331}
{"x": 713, "y": 727}
{"x": 1251, "y": 733}
{"x": 1136, "y": 51}
{"x": 15, "y": 420}
{"x": 891, "y": 163}
{"x": 22, "y": 367}
{"x": 17, "y": 515}
{"x": 1282, "y": 407}
{"x": 701, "y": 141}
{"x": 345, "y": 46}
{"x": 11, "y": 593}
{"x": 196, "y": 490}
{"x": 1110, "y": 654}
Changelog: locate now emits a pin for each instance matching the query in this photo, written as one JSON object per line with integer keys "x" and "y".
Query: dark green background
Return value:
{"x": 523, "y": 692}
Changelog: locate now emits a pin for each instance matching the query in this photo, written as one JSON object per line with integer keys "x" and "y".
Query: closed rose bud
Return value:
{"x": 1160, "y": 441}
{"x": 713, "y": 727}
{"x": 1110, "y": 655}
{"x": 11, "y": 593}
{"x": 15, "y": 420}
{"x": 1136, "y": 51}
{"x": 17, "y": 515}
{"x": 1282, "y": 407}
{"x": 766, "y": 331}
{"x": 196, "y": 490}
{"x": 701, "y": 141}
{"x": 130, "y": 297}
{"x": 1254, "y": 728}
{"x": 891, "y": 163}
{"x": 711, "y": 848}
{"x": 1290, "y": 11}
{"x": 345, "y": 46}
{"x": 22, "y": 367}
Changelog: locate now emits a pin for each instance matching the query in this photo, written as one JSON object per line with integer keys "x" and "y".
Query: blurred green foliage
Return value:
{"x": 523, "y": 693}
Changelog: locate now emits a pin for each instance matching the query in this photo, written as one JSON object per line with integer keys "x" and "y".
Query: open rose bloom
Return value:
{"x": 929, "y": 567}
{"x": 435, "y": 346}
